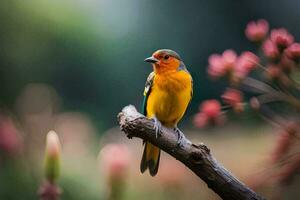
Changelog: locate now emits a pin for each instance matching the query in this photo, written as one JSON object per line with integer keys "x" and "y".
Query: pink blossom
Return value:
{"x": 270, "y": 50}
{"x": 115, "y": 159}
{"x": 293, "y": 52}
{"x": 256, "y": 31}
{"x": 216, "y": 67}
{"x": 281, "y": 37}
{"x": 246, "y": 62}
{"x": 53, "y": 145}
{"x": 254, "y": 103}
{"x": 9, "y": 136}
{"x": 211, "y": 108}
{"x": 200, "y": 120}
{"x": 220, "y": 65}
{"x": 52, "y": 156}
{"x": 229, "y": 58}
{"x": 210, "y": 112}
{"x": 234, "y": 98}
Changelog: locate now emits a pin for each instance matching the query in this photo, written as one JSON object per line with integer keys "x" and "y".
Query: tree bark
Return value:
{"x": 197, "y": 158}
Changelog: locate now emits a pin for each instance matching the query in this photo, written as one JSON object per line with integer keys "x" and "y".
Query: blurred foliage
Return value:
{"x": 18, "y": 178}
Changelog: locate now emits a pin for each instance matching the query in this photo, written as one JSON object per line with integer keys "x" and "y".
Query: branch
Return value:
{"x": 196, "y": 157}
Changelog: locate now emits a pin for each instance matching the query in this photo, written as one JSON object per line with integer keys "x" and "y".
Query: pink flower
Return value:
{"x": 53, "y": 145}
{"x": 9, "y": 136}
{"x": 210, "y": 112}
{"x": 293, "y": 52}
{"x": 257, "y": 31}
{"x": 216, "y": 67}
{"x": 211, "y": 108}
{"x": 200, "y": 120}
{"x": 281, "y": 37}
{"x": 115, "y": 159}
{"x": 246, "y": 62}
{"x": 220, "y": 65}
{"x": 229, "y": 58}
{"x": 254, "y": 103}
{"x": 234, "y": 98}
{"x": 270, "y": 50}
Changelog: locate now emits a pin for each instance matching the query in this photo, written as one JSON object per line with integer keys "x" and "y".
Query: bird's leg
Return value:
{"x": 180, "y": 137}
{"x": 157, "y": 126}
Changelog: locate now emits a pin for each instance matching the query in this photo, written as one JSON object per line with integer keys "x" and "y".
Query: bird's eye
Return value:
{"x": 166, "y": 57}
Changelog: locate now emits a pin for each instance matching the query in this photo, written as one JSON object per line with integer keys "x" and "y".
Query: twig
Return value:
{"x": 197, "y": 158}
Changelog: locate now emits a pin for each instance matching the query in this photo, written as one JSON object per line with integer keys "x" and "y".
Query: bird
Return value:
{"x": 167, "y": 94}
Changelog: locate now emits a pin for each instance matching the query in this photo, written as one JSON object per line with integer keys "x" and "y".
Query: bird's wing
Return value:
{"x": 192, "y": 92}
{"x": 182, "y": 67}
{"x": 147, "y": 91}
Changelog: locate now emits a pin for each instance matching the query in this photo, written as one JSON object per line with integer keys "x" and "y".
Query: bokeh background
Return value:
{"x": 72, "y": 65}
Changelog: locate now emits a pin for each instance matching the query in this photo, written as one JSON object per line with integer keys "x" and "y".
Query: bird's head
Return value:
{"x": 165, "y": 60}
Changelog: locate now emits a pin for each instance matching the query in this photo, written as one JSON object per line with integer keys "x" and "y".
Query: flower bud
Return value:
{"x": 293, "y": 52}
{"x": 270, "y": 50}
{"x": 246, "y": 62}
{"x": 220, "y": 65}
{"x": 10, "y": 141}
{"x": 281, "y": 38}
{"x": 216, "y": 68}
{"x": 52, "y": 157}
{"x": 254, "y": 103}
{"x": 211, "y": 108}
{"x": 233, "y": 98}
{"x": 200, "y": 120}
{"x": 229, "y": 58}
{"x": 115, "y": 160}
{"x": 256, "y": 31}
{"x": 210, "y": 113}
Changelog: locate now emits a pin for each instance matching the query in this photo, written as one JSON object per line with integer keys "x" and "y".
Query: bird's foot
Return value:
{"x": 181, "y": 140}
{"x": 157, "y": 126}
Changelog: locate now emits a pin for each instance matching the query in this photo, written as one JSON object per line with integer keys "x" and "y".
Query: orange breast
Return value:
{"x": 169, "y": 97}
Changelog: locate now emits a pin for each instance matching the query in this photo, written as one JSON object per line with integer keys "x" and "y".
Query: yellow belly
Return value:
{"x": 169, "y": 98}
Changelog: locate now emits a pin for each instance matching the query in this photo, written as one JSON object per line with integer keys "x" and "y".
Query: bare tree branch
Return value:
{"x": 197, "y": 158}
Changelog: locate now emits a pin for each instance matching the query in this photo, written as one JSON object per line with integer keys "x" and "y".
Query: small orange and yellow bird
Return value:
{"x": 168, "y": 91}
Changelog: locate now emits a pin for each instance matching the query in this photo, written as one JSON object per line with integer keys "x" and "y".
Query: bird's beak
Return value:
{"x": 151, "y": 60}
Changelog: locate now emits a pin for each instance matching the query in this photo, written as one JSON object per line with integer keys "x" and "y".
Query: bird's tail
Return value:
{"x": 150, "y": 159}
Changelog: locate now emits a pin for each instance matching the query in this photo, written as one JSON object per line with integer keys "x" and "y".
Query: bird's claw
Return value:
{"x": 180, "y": 137}
{"x": 157, "y": 126}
